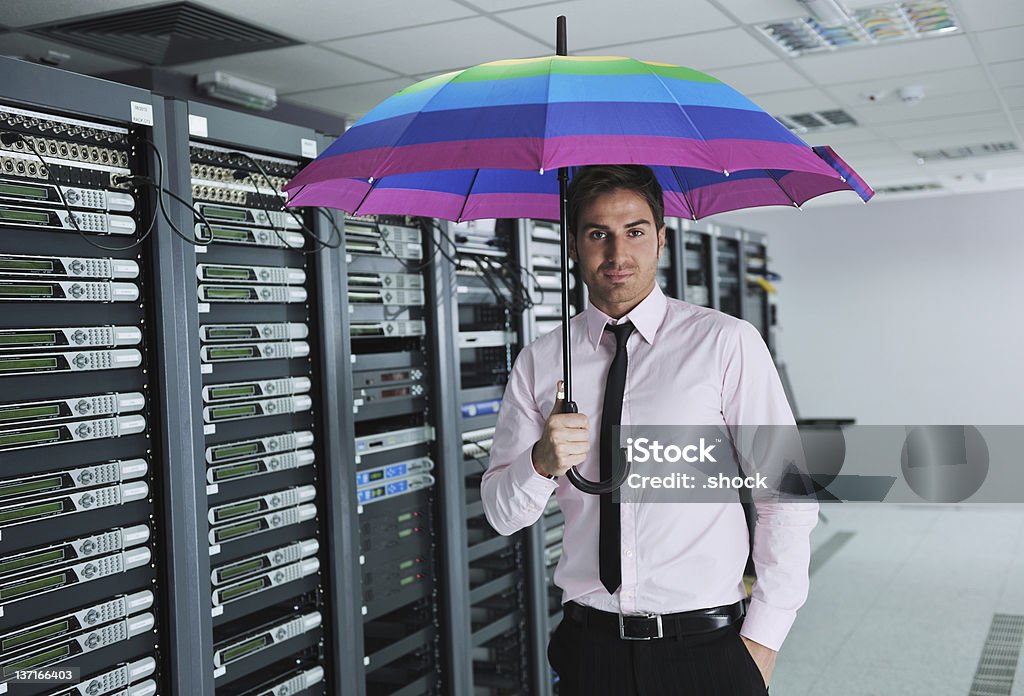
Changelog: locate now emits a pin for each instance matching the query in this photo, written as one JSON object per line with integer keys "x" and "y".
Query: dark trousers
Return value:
{"x": 708, "y": 664}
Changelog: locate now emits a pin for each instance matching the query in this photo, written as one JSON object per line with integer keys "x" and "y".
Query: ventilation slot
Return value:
{"x": 966, "y": 151}
{"x": 817, "y": 120}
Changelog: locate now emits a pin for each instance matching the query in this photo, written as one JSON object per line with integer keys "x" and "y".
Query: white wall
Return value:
{"x": 902, "y": 312}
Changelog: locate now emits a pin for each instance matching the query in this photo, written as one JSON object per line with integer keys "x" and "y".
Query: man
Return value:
{"x": 641, "y": 570}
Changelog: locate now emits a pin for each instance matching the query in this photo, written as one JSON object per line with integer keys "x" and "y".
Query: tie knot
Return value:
{"x": 621, "y": 332}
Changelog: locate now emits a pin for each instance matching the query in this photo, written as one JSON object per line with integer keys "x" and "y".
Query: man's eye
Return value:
{"x": 635, "y": 233}
{"x": 597, "y": 235}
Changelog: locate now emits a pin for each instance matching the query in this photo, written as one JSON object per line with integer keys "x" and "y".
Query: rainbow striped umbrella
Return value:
{"x": 480, "y": 125}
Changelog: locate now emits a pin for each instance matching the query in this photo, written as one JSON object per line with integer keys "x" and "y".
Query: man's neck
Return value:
{"x": 620, "y": 309}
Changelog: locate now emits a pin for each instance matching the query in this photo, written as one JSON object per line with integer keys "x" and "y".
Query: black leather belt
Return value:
{"x": 651, "y": 626}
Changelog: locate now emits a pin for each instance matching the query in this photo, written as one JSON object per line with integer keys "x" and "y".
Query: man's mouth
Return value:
{"x": 617, "y": 276}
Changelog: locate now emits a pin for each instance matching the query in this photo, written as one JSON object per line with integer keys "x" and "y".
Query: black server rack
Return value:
{"x": 393, "y": 331}
{"x": 694, "y": 258}
{"x": 490, "y": 294}
{"x": 758, "y": 308}
{"x": 726, "y": 265}
{"x": 82, "y": 540}
{"x": 262, "y": 407}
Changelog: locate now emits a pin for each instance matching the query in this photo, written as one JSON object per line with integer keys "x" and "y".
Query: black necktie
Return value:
{"x": 611, "y": 416}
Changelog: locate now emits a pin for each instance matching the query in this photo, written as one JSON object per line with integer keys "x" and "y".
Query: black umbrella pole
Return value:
{"x": 569, "y": 406}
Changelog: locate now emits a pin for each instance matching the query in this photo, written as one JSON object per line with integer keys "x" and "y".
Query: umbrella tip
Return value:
{"x": 542, "y": 171}
{"x": 798, "y": 207}
{"x": 370, "y": 180}
{"x": 726, "y": 172}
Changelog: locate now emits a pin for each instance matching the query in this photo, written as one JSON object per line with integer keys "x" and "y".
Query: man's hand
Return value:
{"x": 764, "y": 658}
{"x": 565, "y": 441}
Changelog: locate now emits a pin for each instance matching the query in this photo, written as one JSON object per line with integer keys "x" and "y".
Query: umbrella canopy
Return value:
{"x": 539, "y": 114}
{"x": 471, "y": 194}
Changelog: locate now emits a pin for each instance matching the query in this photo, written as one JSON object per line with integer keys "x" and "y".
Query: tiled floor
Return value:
{"x": 904, "y": 606}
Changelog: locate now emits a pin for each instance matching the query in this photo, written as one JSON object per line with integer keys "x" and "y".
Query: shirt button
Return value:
{"x": 629, "y": 553}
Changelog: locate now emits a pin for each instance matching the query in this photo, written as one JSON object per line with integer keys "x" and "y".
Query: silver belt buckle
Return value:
{"x": 622, "y": 627}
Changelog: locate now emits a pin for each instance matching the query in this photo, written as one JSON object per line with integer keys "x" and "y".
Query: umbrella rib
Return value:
{"x": 366, "y": 195}
{"x": 396, "y": 144}
{"x": 682, "y": 110}
{"x": 779, "y": 184}
{"x": 682, "y": 190}
{"x": 468, "y": 192}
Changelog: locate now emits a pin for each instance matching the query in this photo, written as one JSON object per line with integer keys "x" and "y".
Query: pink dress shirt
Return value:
{"x": 687, "y": 365}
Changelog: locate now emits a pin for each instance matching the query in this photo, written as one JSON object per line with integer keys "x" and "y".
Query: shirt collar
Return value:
{"x": 646, "y": 317}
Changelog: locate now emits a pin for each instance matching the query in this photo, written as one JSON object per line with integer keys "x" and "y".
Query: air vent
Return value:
{"x": 817, "y": 120}
{"x": 908, "y": 188}
{"x": 165, "y": 35}
{"x": 866, "y": 26}
{"x": 966, "y": 151}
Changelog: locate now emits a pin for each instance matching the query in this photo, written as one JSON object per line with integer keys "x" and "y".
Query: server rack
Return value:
{"x": 392, "y": 317}
{"x": 758, "y": 308}
{"x": 266, "y": 571}
{"x": 83, "y": 543}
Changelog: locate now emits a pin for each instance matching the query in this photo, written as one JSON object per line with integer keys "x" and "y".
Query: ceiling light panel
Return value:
{"x": 866, "y": 26}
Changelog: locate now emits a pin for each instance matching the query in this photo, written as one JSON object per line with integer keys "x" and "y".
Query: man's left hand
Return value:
{"x": 764, "y": 658}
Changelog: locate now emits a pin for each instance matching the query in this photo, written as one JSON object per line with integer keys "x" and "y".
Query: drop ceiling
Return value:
{"x": 350, "y": 55}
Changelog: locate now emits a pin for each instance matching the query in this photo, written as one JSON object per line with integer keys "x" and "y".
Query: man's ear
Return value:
{"x": 572, "y": 247}
{"x": 661, "y": 240}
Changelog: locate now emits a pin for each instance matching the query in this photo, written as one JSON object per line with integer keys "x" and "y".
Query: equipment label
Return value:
{"x": 142, "y": 114}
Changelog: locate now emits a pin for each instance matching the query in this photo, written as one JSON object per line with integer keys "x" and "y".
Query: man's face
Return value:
{"x": 617, "y": 249}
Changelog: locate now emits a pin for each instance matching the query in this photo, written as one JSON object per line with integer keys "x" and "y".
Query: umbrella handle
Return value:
{"x": 585, "y": 484}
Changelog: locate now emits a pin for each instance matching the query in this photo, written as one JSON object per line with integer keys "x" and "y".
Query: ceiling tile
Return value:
{"x": 979, "y": 15}
{"x": 1009, "y": 74}
{"x": 968, "y": 103}
{"x": 794, "y": 102}
{"x": 502, "y": 5}
{"x": 842, "y": 137}
{"x": 858, "y": 65}
{"x": 321, "y": 20}
{"x": 25, "y": 14}
{"x": 865, "y": 151}
{"x": 292, "y": 69}
{"x": 440, "y": 47}
{"x": 352, "y": 101}
{"x": 936, "y": 84}
{"x": 759, "y": 11}
{"x": 954, "y": 124}
{"x": 1014, "y": 97}
{"x": 82, "y": 61}
{"x": 1018, "y": 118}
{"x": 596, "y": 23}
{"x": 716, "y": 49}
{"x": 765, "y": 77}
{"x": 1001, "y": 44}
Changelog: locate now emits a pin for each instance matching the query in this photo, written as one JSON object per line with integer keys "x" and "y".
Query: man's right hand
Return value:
{"x": 565, "y": 442}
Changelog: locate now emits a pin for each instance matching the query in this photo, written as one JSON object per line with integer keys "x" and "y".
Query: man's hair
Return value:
{"x": 598, "y": 179}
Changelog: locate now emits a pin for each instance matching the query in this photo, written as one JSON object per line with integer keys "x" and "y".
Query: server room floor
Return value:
{"x": 904, "y": 601}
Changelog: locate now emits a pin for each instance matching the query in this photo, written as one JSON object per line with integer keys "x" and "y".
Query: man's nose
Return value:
{"x": 615, "y": 250}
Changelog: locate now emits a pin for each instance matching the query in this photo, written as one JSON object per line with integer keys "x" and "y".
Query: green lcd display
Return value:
{"x": 360, "y": 247}
{"x": 23, "y": 191}
{"x": 406, "y": 565}
{"x": 231, "y": 353}
{"x": 36, "y": 634}
{"x": 32, "y": 560}
{"x": 8, "y": 490}
{"x": 404, "y": 533}
{"x": 37, "y": 660}
{"x": 228, "y": 233}
{"x": 29, "y": 511}
{"x": 226, "y": 333}
{"x": 226, "y": 513}
{"x": 405, "y": 517}
{"x": 24, "y": 216}
{"x": 236, "y": 471}
{"x": 408, "y": 580}
{"x": 27, "y": 587}
{"x": 237, "y": 530}
{"x": 235, "y": 451}
{"x": 29, "y": 412}
{"x": 224, "y": 213}
{"x": 245, "y": 648}
{"x": 26, "y": 291}
{"x": 228, "y": 293}
{"x": 27, "y": 364}
{"x": 29, "y": 438}
{"x": 228, "y": 273}
{"x": 227, "y": 594}
{"x": 218, "y": 393}
{"x": 235, "y": 570}
{"x": 376, "y": 475}
{"x": 10, "y": 263}
{"x": 222, "y": 412}
{"x": 27, "y": 339}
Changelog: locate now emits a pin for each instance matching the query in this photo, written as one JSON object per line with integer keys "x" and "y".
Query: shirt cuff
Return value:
{"x": 527, "y": 479}
{"x": 767, "y": 625}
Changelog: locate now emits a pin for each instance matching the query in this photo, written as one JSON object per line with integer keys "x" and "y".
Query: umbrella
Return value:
{"x": 483, "y": 143}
